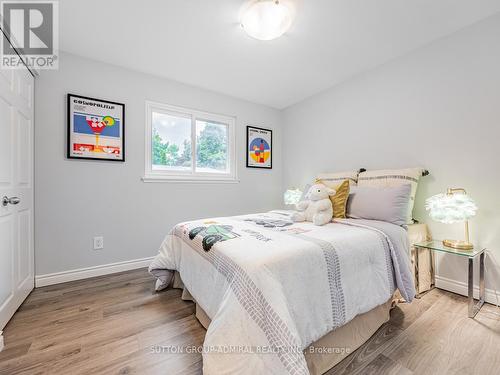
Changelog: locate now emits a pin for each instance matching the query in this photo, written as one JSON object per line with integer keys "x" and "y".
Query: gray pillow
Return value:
{"x": 379, "y": 203}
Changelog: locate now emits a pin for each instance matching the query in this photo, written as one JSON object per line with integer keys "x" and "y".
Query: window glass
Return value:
{"x": 211, "y": 147}
{"x": 171, "y": 142}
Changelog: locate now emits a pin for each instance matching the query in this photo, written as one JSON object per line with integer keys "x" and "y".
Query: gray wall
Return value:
{"x": 438, "y": 107}
{"x": 77, "y": 200}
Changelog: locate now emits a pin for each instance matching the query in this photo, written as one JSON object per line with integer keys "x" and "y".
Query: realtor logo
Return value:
{"x": 33, "y": 30}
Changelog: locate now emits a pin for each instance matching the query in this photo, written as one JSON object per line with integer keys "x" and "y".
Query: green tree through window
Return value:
{"x": 164, "y": 153}
{"x": 188, "y": 144}
{"x": 185, "y": 157}
{"x": 211, "y": 148}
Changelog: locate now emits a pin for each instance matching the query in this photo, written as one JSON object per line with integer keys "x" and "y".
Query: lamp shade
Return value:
{"x": 267, "y": 19}
{"x": 450, "y": 208}
{"x": 292, "y": 196}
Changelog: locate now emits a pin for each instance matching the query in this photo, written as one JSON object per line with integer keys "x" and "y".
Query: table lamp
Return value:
{"x": 453, "y": 207}
{"x": 292, "y": 196}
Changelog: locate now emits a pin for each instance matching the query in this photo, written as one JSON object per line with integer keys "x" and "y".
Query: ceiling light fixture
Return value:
{"x": 266, "y": 19}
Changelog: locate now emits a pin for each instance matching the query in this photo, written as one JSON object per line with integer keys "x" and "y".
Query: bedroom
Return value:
{"x": 399, "y": 99}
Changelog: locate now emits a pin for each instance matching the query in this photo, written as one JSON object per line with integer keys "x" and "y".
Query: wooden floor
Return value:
{"x": 109, "y": 325}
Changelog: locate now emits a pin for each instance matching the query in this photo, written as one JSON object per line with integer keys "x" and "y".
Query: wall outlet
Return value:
{"x": 98, "y": 243}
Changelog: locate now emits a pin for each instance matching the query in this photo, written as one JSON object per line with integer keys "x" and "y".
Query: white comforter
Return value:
{"x": 272, "y": 287}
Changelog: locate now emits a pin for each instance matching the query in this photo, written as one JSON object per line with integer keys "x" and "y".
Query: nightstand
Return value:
{"x": 438, "y": 246}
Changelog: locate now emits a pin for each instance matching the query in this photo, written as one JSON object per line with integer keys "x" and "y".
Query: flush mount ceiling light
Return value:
{"x": 266, "y": 19}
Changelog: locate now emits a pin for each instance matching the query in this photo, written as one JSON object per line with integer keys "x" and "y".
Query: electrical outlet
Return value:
{"x": 98, "y": 243}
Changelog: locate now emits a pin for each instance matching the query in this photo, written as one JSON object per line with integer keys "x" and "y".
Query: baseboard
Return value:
{"x": 461, "y": 288}
{"x": 85, "y": 273}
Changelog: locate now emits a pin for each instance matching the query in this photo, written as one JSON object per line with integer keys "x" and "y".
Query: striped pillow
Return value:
{"x": 332, "y": 180}
{"x": 394, "y": 177}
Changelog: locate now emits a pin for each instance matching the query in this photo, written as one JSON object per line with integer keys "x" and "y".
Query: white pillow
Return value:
{"x": 394, "y": 177}
{"x": 332, "y": 180}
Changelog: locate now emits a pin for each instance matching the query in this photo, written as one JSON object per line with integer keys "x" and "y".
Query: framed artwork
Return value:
{"x": 259, "y": 148}
{"x": 96, "y": 129}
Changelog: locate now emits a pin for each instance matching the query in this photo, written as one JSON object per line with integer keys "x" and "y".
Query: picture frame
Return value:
{"x": 259, "y": 148}
{"x": 95, "y": 129}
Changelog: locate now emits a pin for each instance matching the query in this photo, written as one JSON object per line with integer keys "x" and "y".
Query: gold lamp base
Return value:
{"x": 458, "y": 244}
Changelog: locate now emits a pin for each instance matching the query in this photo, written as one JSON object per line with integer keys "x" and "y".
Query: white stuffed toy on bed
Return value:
{"x": 317, "y": 207}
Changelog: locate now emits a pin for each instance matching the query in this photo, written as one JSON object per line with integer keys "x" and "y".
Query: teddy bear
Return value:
{"x": 317, "y": 207}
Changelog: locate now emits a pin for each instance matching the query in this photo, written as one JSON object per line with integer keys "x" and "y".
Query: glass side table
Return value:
{"x": 471, "y": 255}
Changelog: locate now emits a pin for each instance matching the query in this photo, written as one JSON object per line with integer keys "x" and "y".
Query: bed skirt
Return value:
{"x": 332, "y": 348}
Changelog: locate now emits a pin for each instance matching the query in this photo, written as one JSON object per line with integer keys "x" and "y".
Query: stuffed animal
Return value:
{"x": 317, "y": 207}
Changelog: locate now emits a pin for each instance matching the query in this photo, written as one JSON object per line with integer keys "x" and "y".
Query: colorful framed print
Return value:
{"x": 259, "y": 148}
{"x": 96, "y": 129}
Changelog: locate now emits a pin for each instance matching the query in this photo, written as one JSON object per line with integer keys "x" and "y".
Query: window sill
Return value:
{"x": 189, "y": 180}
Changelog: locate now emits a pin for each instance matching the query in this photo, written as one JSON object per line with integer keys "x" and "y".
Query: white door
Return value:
{"x": 16, "y": 190}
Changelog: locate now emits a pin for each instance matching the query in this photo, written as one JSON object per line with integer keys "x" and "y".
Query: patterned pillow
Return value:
{"x": 332, "y": 180}
{"x": 394, "y": 177}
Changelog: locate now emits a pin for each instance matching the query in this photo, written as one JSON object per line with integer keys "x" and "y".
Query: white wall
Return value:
{"x": 438, "y": 107}
{"x": 77, "y": 200}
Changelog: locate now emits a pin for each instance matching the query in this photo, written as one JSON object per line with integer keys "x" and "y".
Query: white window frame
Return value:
{"x": 151, "y": 175}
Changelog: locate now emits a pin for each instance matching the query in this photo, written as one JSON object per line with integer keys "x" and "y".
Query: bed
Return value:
{"x": 279, "y": 297}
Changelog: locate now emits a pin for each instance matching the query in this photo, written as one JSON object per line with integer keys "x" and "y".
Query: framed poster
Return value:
{"x": 259, "y": 148}
{"x": 96, "y": 129}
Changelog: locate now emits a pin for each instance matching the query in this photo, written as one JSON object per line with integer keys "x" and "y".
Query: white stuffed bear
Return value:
{"x": 317, "y": 207}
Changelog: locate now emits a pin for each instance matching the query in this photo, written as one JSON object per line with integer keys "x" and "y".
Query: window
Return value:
{"x": 188, "y": 145}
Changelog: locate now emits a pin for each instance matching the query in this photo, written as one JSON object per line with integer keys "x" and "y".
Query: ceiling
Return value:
{"x": 200, "y": 42}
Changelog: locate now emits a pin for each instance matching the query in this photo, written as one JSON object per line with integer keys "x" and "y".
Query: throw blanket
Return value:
{"x": 272, "y": 287}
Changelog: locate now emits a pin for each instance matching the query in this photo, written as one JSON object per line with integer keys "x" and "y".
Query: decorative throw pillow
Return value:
{"x": 339, "y": 199}
{"x": 379, "y": 203}
{"x": 394, "y": 177}
{"x": 333, "y": 179}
